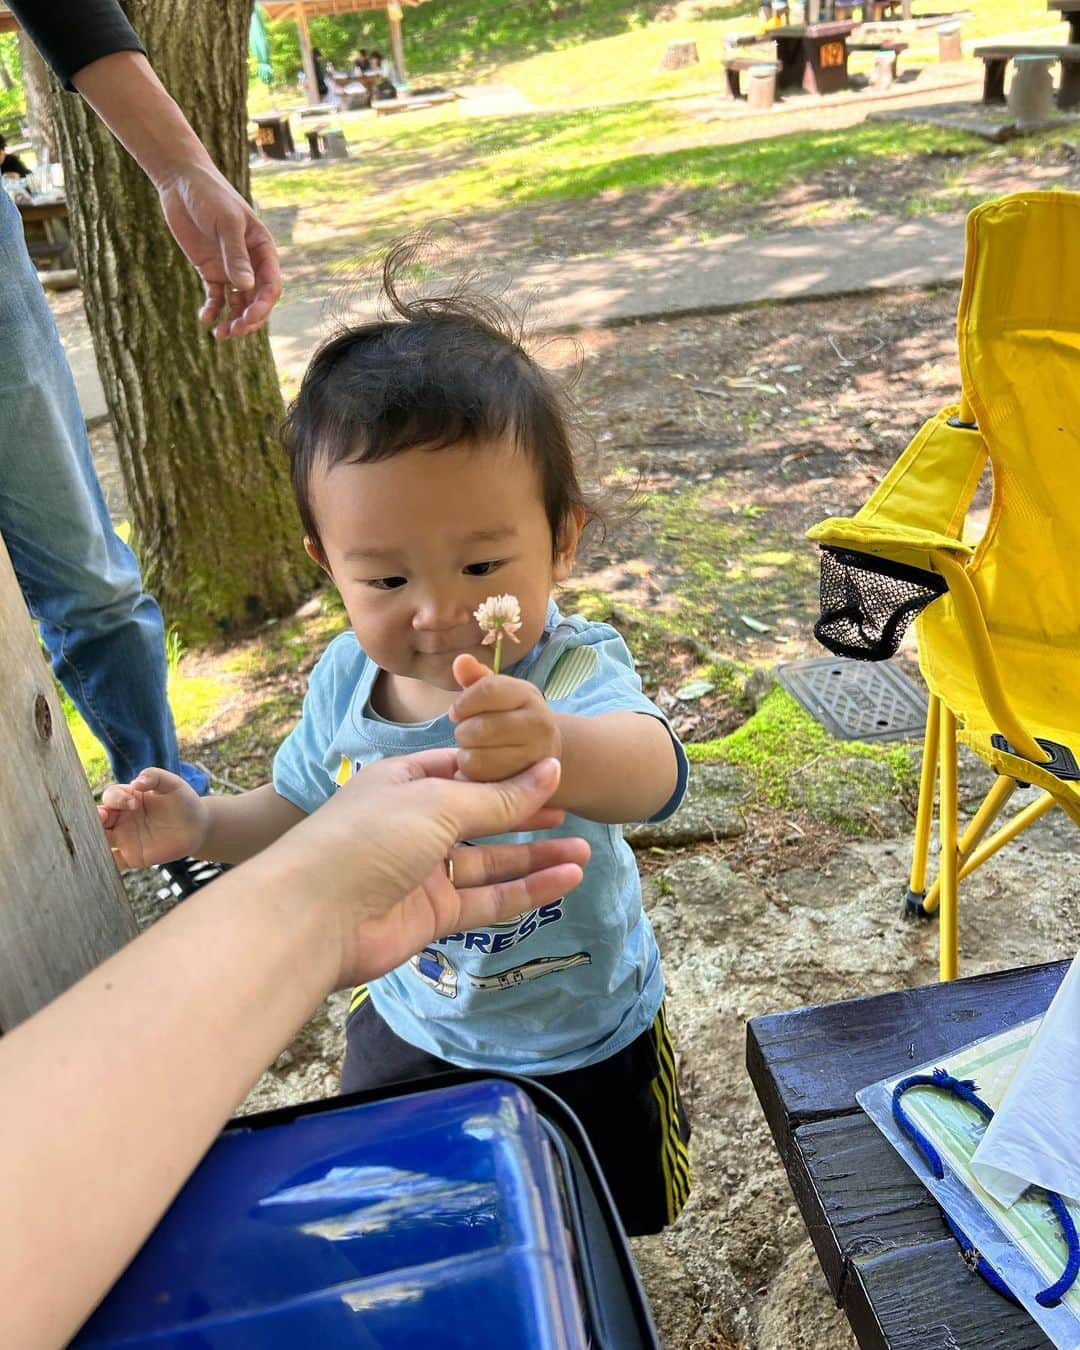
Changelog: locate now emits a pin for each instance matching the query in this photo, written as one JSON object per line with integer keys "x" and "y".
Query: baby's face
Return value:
{"x": 415, "y": 543}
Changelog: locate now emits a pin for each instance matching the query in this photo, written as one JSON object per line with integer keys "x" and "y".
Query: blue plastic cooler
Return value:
{"x": 445, "y": 1218}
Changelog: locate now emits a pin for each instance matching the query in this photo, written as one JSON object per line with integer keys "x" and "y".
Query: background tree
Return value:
{"x": 38, "y": 89}
{"x": 195, "y": 420}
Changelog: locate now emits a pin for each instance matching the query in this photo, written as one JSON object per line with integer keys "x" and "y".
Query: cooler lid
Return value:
{"x": 429, "y": 1219}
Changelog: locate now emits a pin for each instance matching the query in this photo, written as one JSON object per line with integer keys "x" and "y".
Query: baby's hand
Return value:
{"x": 153, "y": 819}
{"x": 503, "y": 724}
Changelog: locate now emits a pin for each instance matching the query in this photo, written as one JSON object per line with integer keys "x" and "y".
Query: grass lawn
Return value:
{"x": 493, "y": 164}
{"x": 443, "y": 164}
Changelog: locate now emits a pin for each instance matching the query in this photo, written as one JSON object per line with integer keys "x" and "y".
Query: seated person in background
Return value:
{"x": 320, "y": 71}
{"x": 10, "y": 163}
{"x": 381, "y": 78}
{"x": 360, "y": 63}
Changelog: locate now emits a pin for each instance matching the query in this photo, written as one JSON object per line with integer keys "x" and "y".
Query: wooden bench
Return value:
{"x": 1070, "y": 12}
{"x": 885, "y": 46}
{"x": 886, "y": 1254}
{"x": 734, "y": 67}
{"x": 996, "y": 58}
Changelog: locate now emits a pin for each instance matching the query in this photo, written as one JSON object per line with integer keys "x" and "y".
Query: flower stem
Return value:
{"x": 498, "y": 655}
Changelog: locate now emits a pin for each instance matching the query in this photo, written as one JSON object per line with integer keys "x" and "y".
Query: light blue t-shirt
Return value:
{"x": 561, "y": 986}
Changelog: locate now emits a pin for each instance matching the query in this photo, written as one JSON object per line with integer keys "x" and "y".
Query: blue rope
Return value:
{"x": 965, "y": 1089}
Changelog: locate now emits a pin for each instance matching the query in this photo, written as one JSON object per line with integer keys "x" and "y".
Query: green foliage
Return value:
{"x": 174, "y": 649}
{"x": 12, "y": 101}
{"x": 462, "y": 37}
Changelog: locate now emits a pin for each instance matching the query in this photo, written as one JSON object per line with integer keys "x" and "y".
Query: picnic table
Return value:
{"x": 273, "y": 135}
{"x": 890, "y": 1261}
{"x": 1070, "y": 11}
{"x": 812, "y": 56}
{"x": 996, "y": 56}
{"x": 45, "y": 227}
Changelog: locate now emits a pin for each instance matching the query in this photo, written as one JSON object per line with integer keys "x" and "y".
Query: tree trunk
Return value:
{"x": 38, "y": 88}
{"x": 62, "y": 907}
{"x": 195, "y": 420}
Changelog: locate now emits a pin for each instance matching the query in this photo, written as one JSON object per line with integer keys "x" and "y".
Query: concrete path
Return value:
{"x": 728, "y": 272}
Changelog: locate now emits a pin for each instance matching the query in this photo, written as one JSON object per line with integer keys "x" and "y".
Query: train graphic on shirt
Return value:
{"x": 440, "y": 974}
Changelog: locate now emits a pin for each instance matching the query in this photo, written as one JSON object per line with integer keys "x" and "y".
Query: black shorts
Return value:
{"x": 629, "y": 1106}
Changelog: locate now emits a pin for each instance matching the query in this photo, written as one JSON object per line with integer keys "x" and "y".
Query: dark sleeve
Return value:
{"x": 71, "y": 34}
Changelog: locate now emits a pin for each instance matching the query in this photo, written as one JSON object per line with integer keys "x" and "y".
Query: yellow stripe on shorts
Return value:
{"x": 359, "y": 995}
{"x": 674, "y": 1159}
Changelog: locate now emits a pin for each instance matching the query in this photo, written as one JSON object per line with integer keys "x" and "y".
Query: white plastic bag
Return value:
{"x": 1034, "y": 1137}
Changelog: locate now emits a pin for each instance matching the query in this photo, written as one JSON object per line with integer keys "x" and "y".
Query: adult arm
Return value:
{"x": 93, "y": 49}
{"x": 114, "y": 1091}
{"x": 71, "y": 33}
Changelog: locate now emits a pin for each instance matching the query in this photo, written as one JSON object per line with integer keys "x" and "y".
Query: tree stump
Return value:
{"x": 679, "y": 54}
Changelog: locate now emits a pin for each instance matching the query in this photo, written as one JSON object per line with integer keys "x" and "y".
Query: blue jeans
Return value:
{"x": 80, "y": 580}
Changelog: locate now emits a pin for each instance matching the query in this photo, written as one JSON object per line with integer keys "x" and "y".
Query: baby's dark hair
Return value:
{"x": 442, "y": 371}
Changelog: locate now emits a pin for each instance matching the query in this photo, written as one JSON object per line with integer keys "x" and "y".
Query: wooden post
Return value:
{"x": 397, "y": 47}
{"x": 306, "y": 54}
{"x": 62, "y": 906}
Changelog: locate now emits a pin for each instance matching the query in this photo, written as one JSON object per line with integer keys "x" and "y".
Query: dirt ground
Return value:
{"x": 735, "y": 433}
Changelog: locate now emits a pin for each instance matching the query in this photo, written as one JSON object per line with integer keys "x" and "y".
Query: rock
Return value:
{"x": 793, "y": 1315}
{"x": 854, "y": 793}
{"x": 759, "y": 685}
{"x": 711, "y": 900}
{"x": 710, "y": 811}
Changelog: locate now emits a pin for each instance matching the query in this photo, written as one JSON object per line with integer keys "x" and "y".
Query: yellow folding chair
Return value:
{"x": 998, "y": 623}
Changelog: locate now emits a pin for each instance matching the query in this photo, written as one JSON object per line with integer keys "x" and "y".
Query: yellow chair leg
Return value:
{"x": 948, "y": 937}
{"x": 991, "y": 807}
{"x": 924, "y": 818}
{"x": 1028, "y": 816}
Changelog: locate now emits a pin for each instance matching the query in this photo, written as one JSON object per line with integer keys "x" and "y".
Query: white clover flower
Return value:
{"x": 499, "y": 616}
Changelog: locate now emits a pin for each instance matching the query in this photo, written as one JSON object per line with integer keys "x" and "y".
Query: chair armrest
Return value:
{"x": 921, "y": 503}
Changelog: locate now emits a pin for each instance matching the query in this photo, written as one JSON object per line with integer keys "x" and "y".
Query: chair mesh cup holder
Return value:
{"x": 868, "y": 603}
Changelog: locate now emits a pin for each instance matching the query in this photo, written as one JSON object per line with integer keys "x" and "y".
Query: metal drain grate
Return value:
{"x": 857, "y": 700}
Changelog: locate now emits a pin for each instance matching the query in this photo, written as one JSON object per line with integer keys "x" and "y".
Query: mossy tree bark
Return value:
{"x": 195, "y": 420}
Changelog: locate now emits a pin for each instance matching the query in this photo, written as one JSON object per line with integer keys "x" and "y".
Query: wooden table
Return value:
{"x": 1070, "y": 11}
{"x": 889, "y": 1259}
{"x": 273, "y": 135}
{"x": 45, "y": 227}
{"x": 812, "y": 56}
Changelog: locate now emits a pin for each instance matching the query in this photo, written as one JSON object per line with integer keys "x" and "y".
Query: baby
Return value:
{"x": 433, "y": 469}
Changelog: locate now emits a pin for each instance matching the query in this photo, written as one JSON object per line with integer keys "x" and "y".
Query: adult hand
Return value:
{"x": 376, "y": 854}
{"x": 226, "y": 242}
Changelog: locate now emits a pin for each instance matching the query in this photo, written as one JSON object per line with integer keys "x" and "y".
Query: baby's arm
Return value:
{"x": 616, "y": 767}
{"x": 240, "y": 826}
{"x": 158, "y": 817}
